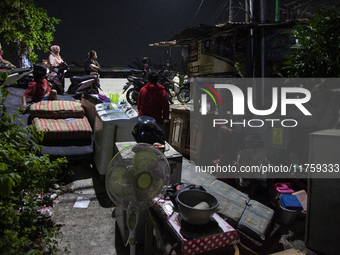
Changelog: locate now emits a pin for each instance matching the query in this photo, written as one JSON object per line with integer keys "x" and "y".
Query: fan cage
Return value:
{"x": 122, "y": 173}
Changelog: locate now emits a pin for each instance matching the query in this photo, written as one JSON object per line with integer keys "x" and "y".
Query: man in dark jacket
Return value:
{"x": 153, "y": 100}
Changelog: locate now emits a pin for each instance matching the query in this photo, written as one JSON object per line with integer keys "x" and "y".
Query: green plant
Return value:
{"x": 25, "y": 176}
{"x": 25, "y": 26}
{"x": 239, "y": 69}
{"x": 3, "y": 76}
{"x": 316, "y": 51}
{"x": 181, "y": 80}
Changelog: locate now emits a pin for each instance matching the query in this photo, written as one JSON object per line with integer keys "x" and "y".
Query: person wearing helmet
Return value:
{"x": 153, "y": 100}
{"x": 146, "y": 67}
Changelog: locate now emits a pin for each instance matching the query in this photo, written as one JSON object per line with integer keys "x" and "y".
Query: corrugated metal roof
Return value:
{"x": 292, "y": 9}
{"x": 192, "y": 34}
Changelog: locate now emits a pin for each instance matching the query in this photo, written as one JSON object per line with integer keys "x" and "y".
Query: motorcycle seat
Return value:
{"x": 136, "y": 78}
{"x": 78, "y": 79}
{"x": 21, "y": 70}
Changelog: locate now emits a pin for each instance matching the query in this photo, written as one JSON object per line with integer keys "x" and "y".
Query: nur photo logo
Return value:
{"x": 279, "y": 100}
{"x": 207, "y": 90}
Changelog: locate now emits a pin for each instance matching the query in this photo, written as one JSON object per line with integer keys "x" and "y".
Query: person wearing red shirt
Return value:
{"x": 153, "y": 100}
{"x": 39, "y": 89}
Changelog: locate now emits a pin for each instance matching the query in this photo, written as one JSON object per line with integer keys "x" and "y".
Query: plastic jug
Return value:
{"x": 114, "y": 98}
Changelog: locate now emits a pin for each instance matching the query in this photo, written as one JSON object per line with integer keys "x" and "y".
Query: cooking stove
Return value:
{"x": 190, "y": 231}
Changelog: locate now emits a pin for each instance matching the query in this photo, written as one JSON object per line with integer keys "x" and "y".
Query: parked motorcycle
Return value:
{"x": 84, "y": 84}
{"x": 132, "y": 93}
{"x": 137, "y": 83}
{"x": 167, "y": 87}
{"x": 18, "y": 76}
{"x": 164, "y": 80}
{"x": 57, "y": 78}
{"x": 183, "y": 95}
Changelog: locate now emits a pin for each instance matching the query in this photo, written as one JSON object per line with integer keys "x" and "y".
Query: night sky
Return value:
{"x": 121, "y": 30}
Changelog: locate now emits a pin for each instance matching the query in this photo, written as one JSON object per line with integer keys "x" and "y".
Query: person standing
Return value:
{"x": 176, "y": 84}
{"x": 91, "y": 64}
{"x": 146, "y": 67}
{"x": 153, "y": 100}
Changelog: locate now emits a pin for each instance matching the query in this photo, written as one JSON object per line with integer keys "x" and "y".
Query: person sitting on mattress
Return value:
{"x": 39, "y": 89}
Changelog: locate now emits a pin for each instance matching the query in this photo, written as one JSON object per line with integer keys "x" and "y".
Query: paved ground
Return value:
{"x": 89, "y": 230}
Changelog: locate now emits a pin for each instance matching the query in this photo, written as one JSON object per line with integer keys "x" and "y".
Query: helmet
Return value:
{"x": 186, "y": 79}
{"x": 147, "y": 131}
{"x": 145, "y": 60}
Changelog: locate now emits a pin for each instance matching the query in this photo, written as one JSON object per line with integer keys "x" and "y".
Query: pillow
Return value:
{"x": 56, "y": 109}
{"x": 64, "y": 129}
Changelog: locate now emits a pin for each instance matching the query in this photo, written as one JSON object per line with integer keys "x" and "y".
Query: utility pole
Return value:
{"x": 277, "y": 10}
{"x": 246, "y": 7}
{"x": 231, "y": 11}
{"x": 263, "y": 60}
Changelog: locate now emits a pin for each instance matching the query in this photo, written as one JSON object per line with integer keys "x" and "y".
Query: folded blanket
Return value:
{"x": 57, "y": 109}
{"x": 64, "y": 129}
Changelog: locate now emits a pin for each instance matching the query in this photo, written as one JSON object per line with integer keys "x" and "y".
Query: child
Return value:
{"x": 44, "y": 62}
{"x": 39, "y": 89}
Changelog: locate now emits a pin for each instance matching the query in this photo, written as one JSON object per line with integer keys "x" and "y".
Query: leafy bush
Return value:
{"x": 316, "y": 51}
{"x": 25, "y": 176}
{"x": 25, "y": 25}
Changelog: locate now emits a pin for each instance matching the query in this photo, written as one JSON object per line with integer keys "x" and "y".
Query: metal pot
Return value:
{"x": 188, "y": 199}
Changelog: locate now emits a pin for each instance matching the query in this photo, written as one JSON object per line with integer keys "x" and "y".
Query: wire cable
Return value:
{"x": 199, "y": 7}
{"x": 218, "y": 14}
{"x": 219, "y": 10}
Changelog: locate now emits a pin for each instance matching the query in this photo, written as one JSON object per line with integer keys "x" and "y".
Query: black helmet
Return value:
{"x": 145, "y": 60}
{"x": 147, "y": 131}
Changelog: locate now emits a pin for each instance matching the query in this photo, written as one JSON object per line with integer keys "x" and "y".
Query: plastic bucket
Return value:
{"x": 114, "y": 98}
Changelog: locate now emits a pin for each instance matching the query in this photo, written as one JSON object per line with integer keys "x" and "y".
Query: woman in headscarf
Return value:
{"x": 56, "y": 76}
{"x": 54, "y": 59}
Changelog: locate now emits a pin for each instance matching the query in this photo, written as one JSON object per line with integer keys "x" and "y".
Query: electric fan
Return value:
{"x": 136, "y": 178}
